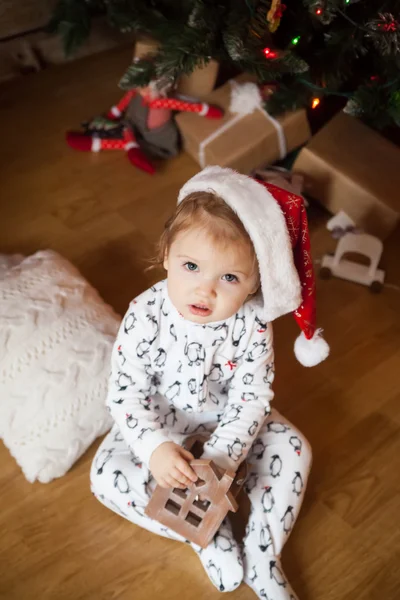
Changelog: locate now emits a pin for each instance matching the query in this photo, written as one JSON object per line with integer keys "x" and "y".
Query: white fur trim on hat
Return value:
{"x": 265, "y": 223}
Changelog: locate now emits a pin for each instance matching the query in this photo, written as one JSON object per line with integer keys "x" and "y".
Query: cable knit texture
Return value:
{"x": 56, "y": 337}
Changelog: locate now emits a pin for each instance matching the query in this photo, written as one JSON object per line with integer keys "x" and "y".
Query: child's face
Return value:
{"x": 208, "y": 282}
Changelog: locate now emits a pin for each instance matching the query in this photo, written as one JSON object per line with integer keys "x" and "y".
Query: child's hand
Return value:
{"x": 169, "y": 466}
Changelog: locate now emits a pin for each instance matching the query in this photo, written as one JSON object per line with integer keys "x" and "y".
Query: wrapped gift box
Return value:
{"x": 348, "y": 166}
{"x": 242, "y": 142}
{"x": 201, "y": 82}
{"x": 198, "y": 84}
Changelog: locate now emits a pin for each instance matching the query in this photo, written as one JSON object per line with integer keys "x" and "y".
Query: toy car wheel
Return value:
{"x": 376, "y": 287}
{"x": 325, "y": 273}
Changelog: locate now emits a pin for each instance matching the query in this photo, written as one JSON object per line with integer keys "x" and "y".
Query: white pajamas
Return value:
{"x": 171, "y": 378}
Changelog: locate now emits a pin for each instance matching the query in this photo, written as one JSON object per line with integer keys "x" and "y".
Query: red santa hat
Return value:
{"x": 276, "y": 222}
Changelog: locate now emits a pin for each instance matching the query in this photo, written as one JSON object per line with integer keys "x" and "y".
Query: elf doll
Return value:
{"x": 141, "y": 124}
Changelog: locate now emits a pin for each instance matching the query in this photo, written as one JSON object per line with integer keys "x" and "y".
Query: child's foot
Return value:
{"x": 222, "y": 560}
{"x": 266, "y": 578}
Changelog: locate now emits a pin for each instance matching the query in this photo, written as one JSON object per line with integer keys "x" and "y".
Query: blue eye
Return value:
{"x": 191, "y": 266}
{"x": 230, "y": 278}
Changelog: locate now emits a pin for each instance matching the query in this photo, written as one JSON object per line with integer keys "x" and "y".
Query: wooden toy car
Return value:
{"x": 197, "y": 512}
{"x": 359, "y": 243}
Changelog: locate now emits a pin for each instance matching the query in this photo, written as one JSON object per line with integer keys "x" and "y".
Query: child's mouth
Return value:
{"x": 199, "y": 310}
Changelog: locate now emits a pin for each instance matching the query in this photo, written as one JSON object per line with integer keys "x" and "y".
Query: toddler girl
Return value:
{"x": 194, "y": 354}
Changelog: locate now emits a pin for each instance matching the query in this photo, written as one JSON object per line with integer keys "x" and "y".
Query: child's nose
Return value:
{"x": 207, "y": 289}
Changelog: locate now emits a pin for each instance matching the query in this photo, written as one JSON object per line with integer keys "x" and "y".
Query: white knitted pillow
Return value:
{"x": 56, "y": 336}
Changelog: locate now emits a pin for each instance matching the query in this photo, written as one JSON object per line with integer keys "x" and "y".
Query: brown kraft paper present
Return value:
{"x": 240, "y": 142}
{"x": 198, "y": 84}
{"x": 348, "y": 166}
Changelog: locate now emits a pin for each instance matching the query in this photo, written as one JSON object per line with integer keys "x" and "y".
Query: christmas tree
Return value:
{"x": 304, "y": 50}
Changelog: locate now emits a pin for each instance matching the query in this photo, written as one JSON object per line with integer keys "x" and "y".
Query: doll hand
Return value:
{"x": 169, "y": 466}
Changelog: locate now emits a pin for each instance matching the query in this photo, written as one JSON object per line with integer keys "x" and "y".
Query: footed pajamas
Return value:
{"x": 172, "y": 378}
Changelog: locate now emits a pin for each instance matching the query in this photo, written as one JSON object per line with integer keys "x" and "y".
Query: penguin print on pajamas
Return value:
{"x": 275, "y": 466}
{"x": 200, "y": 429}
{"x": 258, "y": 449}
{"x": 298, "y": 484}
{"x": 195, "y": 353}
{"x": 250, "y": 527}
{"x": 253, "y": 428}
{"x": 131, "y": 422}
{"x": 288, "y": 520}
{"x": 121, "y": 482}
{"x": 276, "y": 427}
{"x": 188, "y": 408}
{"x": 143, "y": 347}
{"x": 213, "y": 439}
{"x": 145, "y": 403}
{"x": 102, "y": 459}
{"x": 138, "y": 509}
{"x": 248, "y": 397}
{"x": 201, "y": 401}
{"x": 261, "y": 326}
{"x": 151, "y": 319}
{"x": 213, "y": 398}
{"x": 223, "y": 542}
{"x": 265, "y": 540}
{"x": 239, "y": 329}
{"x": 121, "y": 355}
{"x": 180, "y": 367}
{"x": 276, "y": 574}
{"x": 248, "y": 378}
{"x": 216, "y": 373}
{"x": 136, "y": 461}
{"x": 235, "y": 450}
{"x": 258, "y": 350}
{"x": 155, "y": 381}
{"x": 232, "y": 415}
{"x": 160, "y": 358}
{"x": 167, "y": 533}
{"x": 151, "y": 302}
{"x": 253, "y": 575}
{"x": 119, "y": 401}
{"x": 222, "y": 331}
{"x": 251, "y": 482}
{"x": 192, "y": 385}
{"x": 173, "y": 391}
{"x": 296, "y": 443}
{"x": 267, "y": 499}
{"x": 173, "y": 332}
{"x": 164, "y": 312}
{"x": 170, "y": 418}
{"x": 263, "y": 594}
{"x": 118, "y": 437}
{"x": 143, "y": 431}
{"x": 269, "y": 374}
{"x": 124, "y": 381}
{"x": 130, "y": 322}
{"x": 215, "y": 575}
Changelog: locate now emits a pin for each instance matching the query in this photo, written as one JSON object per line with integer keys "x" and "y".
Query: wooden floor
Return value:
{"x": 57, "y": 542}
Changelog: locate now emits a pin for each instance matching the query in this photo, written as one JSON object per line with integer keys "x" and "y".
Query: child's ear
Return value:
{"x": 165, "y": 263}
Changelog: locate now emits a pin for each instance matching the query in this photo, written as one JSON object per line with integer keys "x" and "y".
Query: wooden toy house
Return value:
{"x": 197, "y": 512}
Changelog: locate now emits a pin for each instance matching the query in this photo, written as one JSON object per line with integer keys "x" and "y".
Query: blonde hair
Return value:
{"x": 210, "y": 212}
